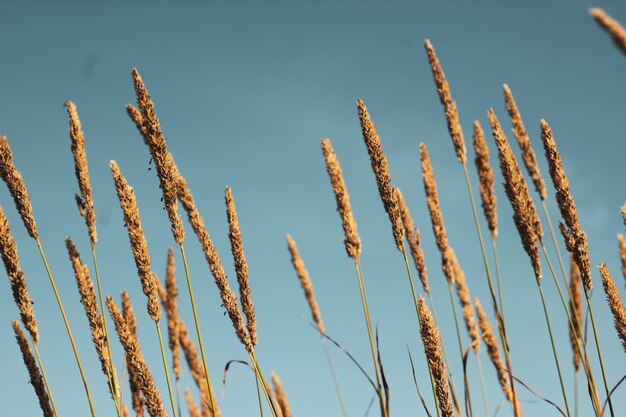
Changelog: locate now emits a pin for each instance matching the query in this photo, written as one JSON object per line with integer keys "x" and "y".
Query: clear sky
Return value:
{"x": 245, "y": 92}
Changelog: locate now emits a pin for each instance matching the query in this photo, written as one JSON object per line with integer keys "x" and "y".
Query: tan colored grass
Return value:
{"x": 576, "y": 312}
{"x": 623, "y": 210}
{"x": 196, "y": 368}
{"x": 622, "y": 253}
{"x": 615, "y": 303}
{"x": 85, "y": 200}
{"x": 485, "y": 179}
{"x": 171, "y": 309}
{"x": 412, "y": 235}
{"x": 194, "y": 411}
{"x": 137, "y": 399}
{"x": 351, "y": 240}
{"x": 611, "y": 26}
{"x": 135, "y": 116}
{"x": 36, "y": 380}
{"x": 381, "y": 172}
{"x": 462, "y": 290}
{"x": 281, "y": 397}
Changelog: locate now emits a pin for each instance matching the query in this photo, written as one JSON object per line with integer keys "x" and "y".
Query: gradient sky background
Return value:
{"x": 245, "y": 92}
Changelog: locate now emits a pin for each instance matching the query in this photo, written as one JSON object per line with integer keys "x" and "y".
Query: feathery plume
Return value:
{"x": 449, "y": 106}
{"x": 11, "y": 260}
{"x": 611, "y": 26}
{"x": 163, "y": 160}
{"x": 13, "y": 179}
{"x": 281, "y": 397}
{"x": 528, "y": 154}
{"x": 432, "y": 349}
{"x": 576, "y": 311}
{"x": 305, "y": 282}
{"x": 622, "y": 253}
{"x": 191, "y": 405}
{"x": 171, "y": 309}
{"x": 351, "y": 235}
{"x": 575, "y": 237}
{"x": 85, "y": 200}
{"x": 436, "y": 218}
{"x": 462, "y": 291}
{"x": 229, "y": 299}
{"x": 36, "y": 379}
{"x": 413, "y": 237}
{"x": 135, "y": 360}
{"x": 138, "y": 244}
{"x": 485, "y": 177}
{"x": 615, "y": 303}
{"x": 524, "y": 212}
{"x": 241, "y": 266}
{"x": 137, "y": 399}
{"x": 381, "y": 172}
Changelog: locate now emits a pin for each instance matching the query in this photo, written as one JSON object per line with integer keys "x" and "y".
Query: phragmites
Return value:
{"x": 135, "y": 360}
{"x": 576, "y": 312}
{"x": 524, "y": 213}
{"x": 281, "y": 397}
{"x": 163, "y": 160}
{"x": 611, "y": 26}
{"x": 171, "y": 309}
{"x": 229, "y": 299}
{"x": 493, "y": 350}
{"x": 137, "y": 399}
{"x": 466, "y": 303}
{"x": 85, "y": 200}
{"x": 13, "y": 179}
{"x": 351, "y": 235}
{"x": 305, "y": 282}
{"x": 622, "y": 253}
{"x": 449, "y": 106}
{"x": 138, "y": 244}
{"x": 436, "y": 218}
{"x": 11, "y": 260}
{"x": 575, "y": 238}
{"x": 36, "y": 379}
{"x": 528, "y": 155}
{"x": 615, "y": 303}
{"x": 432, "y": 349}
{"x": 241, "y": 266}
{"x": 485, "y": 177}
{"x": 381, "y": 172}
{"x": 413, "y": 237}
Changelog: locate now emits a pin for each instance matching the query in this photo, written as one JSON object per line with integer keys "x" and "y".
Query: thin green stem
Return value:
{"x": 165, "y": 368}
{"x": 483, "y": 388}
{"x": 258, "y": 393}
{"x": 458, "y": 338}
{"x": 212, "y": 405}
{"x": 335, "y": 379}
{"x": 264, "y": 385}
{"x": 67, "y": 327}
{"x": 45, "y": 378}
{"x": 499, "y": 282}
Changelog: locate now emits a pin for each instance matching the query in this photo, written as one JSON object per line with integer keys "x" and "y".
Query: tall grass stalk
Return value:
{"x": 342, "y": 404}
{"x": 165, "y": 368}
{"x": 483, "y": 388}
{"x": 45, "y": 378}
{"x": 266, "y": 389}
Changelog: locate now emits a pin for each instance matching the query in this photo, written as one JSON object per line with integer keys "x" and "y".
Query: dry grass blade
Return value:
{"x": 615, "y": 303}
{"x": 281, "y": 397}
{"x": 611, "y": 26}
{"x": 137, "y": 399}
{"x": 413, "y": 237}
{"x": 485, "y": 177}
{"x": 576, "y": 312}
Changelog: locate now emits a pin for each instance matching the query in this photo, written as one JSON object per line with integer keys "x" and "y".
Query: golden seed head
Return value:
{"x": 615, "y": 303}
{"x": 351, "y": 240}
{"x": 576, "y": 311}
{"x": 485, "y": 177}
{"x": 622, "y": 253}
{"x": 413, "y": 237}
{"x": 465, "y": 298}
{"x": 196, "y": 367}
{"x": 171, "y": 309}
{"x": 611, "y": 26}
{"x": 194, "y": 411}
{"x": 137, "y": 399}
{"x": 623, "y": 210}
{"x": 135, "y": 116}
{"x": 281, "y": 397}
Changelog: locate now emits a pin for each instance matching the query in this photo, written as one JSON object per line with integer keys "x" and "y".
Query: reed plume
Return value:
{"x": 171, "y": 310}
{"x": 13, "y": 179}
{"x": 351, "y": 240}
{"x": 432, "y": 349}
{"x": 281, "y": 397}
{"x": 485, "y": 178}
{"x": 622, "y": 253}
{"x": 137, "y": 399}
{"x": 436, "y": 218}
{"x": 163, "y": 160}
{"x": 615, "y": 303}
{"x": 36, "y": 379}
{"x": 135, "y": 360}
{"x": 611, "y": 26}
{"x": 305, "y": 282}
{"x": 381, "y": 172}
{"x": 138, "y": 244}
{"x": 528, "y": 154}
{"x": 21, "y": 296}
{"x": 241, "y": 266}
{"x": 194, "y": 411}
{"x": 463, "y": 293}
{"x": 576, "y": 312}
{"x": 85, "y": 200}
{"x": 413, "y": 237}
{"x": 524, "y": 213}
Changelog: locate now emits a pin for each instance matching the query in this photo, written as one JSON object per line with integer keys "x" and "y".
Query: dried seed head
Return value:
{"x": 576, "y": 311}
{"x": 135, "y": 116}
{"x": 241, "y": 266}
{"x": 13, "y": 179}
{"x": 194, "y": 362}
{"x": 622, "y": 253}
{"x": 436, "y": 218}
{"x": 171, "y": 309}
{"x": 528, "y": 155}
{"x": 575, "y": 237}
{"x": 126, "y": 196}
{"x": 381, "y": 172}
{"x": 615, "y": 303}
{"x": 432, "y": 349}
{"x": 305, "y": 282}
{"x": 11, "y": 260}
{"x": 449, "y": 106}
{"x": 163, "y": 160}
{"x": 194, "y": 411}
{"x": 623, "y": 210}
{"x": 36, "y": 379}
{"x": 413, "y": 237}
{"x": 485, "y": 177}
{"x": 281, "y": 397}
{"x": 611, "y": 26}
{"x": 138, "y": 402}
{"x": 85, "y": 200}
{"x": 351, "y": 235}
{"x": 524, "y": 212}
{"x": 466, "y": 303}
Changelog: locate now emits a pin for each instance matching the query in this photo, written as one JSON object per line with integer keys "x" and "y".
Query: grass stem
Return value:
{"x": 45, "y": 378}
{"x": 167, "y": 373}
{"x": 344, "y": 412}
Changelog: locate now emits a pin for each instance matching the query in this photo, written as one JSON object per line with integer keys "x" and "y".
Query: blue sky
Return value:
{"x": 245, "y": 92}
